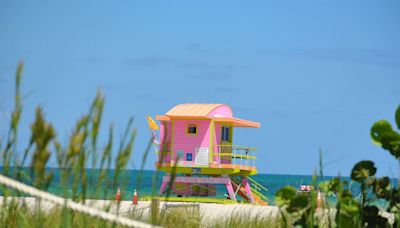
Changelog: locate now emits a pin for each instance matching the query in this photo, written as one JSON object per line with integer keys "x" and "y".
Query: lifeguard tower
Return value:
{"x": 196, "y": 140}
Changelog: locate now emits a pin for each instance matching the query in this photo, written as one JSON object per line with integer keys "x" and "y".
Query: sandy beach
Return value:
{"x": 208, "y": 211}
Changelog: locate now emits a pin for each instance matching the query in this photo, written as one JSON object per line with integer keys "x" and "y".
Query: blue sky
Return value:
{"x": 314, "y": 73}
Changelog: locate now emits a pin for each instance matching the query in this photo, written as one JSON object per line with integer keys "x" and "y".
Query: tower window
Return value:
{"x": 191, "y": 129}
{"x": 225, "y": 134}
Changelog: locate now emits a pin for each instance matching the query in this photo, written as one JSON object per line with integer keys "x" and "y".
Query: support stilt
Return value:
{"x": 163, "y": 186}
{"x": 231, "y": 192}
{"x": 246, "y": 185}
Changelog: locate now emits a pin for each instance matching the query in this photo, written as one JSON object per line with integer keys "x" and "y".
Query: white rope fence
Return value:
{"x": 71, "y": 204}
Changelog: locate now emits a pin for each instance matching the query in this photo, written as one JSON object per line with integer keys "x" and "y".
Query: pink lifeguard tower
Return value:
{"x": 196, "y": 140}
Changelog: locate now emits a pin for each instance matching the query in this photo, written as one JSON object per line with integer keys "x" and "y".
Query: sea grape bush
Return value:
{"x": 350, "y": 211}
{"x": 383, "y": 135}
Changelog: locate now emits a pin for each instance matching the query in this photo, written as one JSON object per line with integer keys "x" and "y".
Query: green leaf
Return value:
{"x": 285, "y": 195}
{"x": 391, "y": 142}
{"x": 363, "y": 170}
{"x": 378, "y": 129}
{"x": 398, "y": 117}
{"x": 346, "y": 194}
{"x": 381, "y": 187}
{"x": 334, "y": 184}
{"x": 350, "y": 206}
{"x": 298, "y": 203}
{"x": 383, "y": 182}
{"x": 324, "y": 186}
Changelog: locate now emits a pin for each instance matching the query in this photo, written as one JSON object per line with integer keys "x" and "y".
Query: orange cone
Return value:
{"x": 118, "y": 196}
{"x": 319, "y": 199}
{"x": 135, "y": 198}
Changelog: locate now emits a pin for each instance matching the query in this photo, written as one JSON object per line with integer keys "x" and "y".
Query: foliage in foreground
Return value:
{"x": 351, "y": 211}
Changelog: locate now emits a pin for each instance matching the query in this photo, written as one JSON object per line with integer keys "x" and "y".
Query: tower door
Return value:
{"x": 226, "y": 136}
{"x": 226, "y": 140}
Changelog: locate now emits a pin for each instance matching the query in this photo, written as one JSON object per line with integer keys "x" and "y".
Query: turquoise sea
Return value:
{"x": 142, "y": 181}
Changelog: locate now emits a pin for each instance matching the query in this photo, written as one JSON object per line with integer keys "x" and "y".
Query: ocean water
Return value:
{"x": 142, "y": 181}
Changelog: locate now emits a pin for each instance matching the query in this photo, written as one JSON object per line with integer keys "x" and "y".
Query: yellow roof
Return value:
{"x": 200, "y": 110}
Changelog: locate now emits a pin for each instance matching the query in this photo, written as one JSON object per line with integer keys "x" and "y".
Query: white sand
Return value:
{"x": 208, "y": 211}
